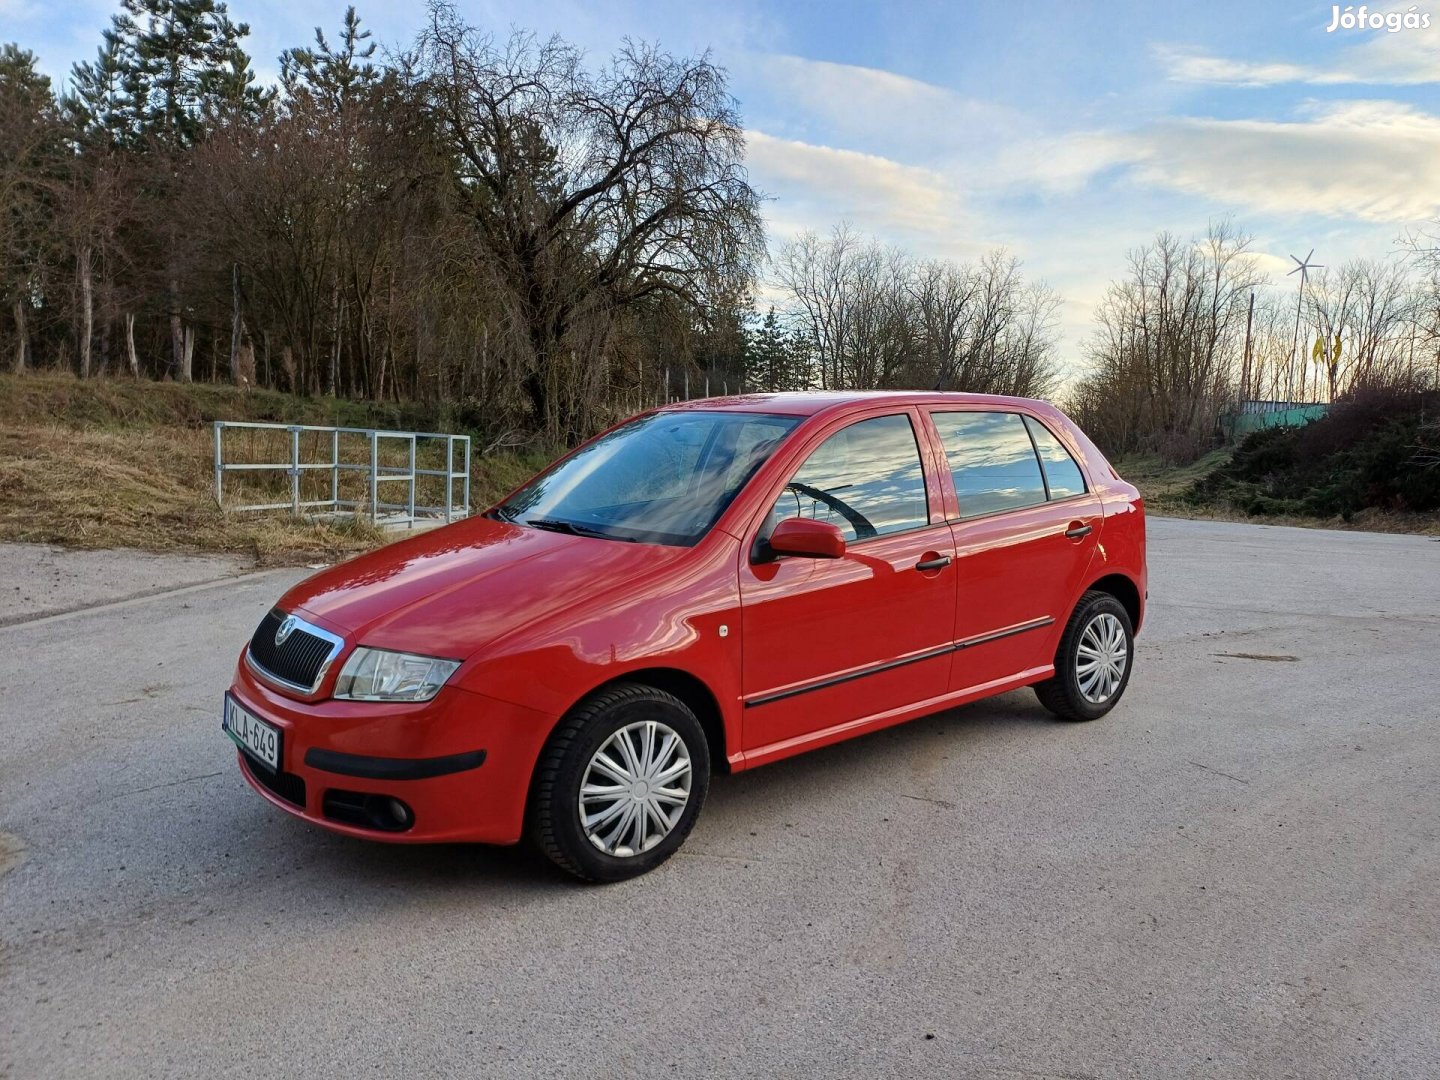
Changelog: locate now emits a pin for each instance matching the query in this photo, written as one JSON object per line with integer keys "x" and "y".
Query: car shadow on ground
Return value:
{"x": 875, "y": 757}
{"x": 869, "y": 759}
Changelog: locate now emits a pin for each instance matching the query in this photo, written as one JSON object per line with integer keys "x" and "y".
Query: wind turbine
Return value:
{"x": 1303, "y": 268}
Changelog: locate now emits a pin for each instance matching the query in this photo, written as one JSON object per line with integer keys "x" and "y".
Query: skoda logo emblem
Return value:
{"x": 286, "y": 629}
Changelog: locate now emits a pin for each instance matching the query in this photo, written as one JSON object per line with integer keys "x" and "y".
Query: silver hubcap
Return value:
{"x": 1100, "y": 662}
{"x": 635, "y": 788}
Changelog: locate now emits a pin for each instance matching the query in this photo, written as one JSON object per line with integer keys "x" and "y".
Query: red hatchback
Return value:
{"x": 716, "y": 584}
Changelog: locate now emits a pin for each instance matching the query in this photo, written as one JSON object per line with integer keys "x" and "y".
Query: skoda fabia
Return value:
{"x": 707, "y": 587}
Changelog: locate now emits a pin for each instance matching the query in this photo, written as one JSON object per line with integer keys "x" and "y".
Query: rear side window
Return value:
{"x": 992, "y": 461}
{"x": 866, "y": 479}
{"x": 1062, "y": 475}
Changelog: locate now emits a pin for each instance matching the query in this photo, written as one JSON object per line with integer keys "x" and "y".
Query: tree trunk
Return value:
{"x": 22, "y": 336}
{"x": 177, "y": 335}
{"x": 187, "y": 355}
{"x": 337, "y": 314}
{"x": 379, "y": 393}
{"x": 237, "y": 325}
{"x": 85, "y": 269}
{"x": 130, "y": 345}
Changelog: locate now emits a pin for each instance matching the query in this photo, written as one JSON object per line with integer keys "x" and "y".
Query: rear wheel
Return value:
{"x": 619, "y": 783}
{"x": 1093, "y": 661}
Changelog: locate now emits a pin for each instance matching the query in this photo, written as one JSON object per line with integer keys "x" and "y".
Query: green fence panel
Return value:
{"x": 1238, "y": 425}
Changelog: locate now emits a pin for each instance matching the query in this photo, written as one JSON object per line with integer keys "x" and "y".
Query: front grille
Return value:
{"x": 288, "y": 786}
{"x": 299, "y": 660}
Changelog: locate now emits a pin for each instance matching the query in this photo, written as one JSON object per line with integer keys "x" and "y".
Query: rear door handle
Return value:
{"x": 1077, "y": 531}
{"x": 937, "y": 563}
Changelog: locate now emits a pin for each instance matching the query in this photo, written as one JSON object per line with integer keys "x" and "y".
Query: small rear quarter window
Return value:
{"x": 1062, "y": 476}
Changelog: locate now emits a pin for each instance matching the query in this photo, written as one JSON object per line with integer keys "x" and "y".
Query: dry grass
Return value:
{"x": 123, "y": 464}
{"x": 1158, "y": 481}
{"x": 143, "y": 489}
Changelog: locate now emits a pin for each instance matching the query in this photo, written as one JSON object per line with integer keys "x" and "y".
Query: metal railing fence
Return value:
{"x": 379, "y": 472}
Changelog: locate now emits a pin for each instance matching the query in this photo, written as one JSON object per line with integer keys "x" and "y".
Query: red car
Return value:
{"x": 711, "y": 585}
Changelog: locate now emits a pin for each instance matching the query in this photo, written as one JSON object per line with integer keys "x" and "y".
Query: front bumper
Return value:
{"x": 460, "y": 763}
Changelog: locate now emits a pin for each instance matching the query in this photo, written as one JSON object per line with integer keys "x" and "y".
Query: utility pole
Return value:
{"x": 1245, "y": 394}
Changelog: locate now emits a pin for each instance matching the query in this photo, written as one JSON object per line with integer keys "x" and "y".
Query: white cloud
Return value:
{"x": 1366, "y": 160}
{"x": 826, "y": 184}
{"x": 1063, "y": 164}
{"x": 827, "y": 86}
{"x": 831, "y": 102}
{"x": 1187, "y": 65}
{"x": 1392, "y": 59}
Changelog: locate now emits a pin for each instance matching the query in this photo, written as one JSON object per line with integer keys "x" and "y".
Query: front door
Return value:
{"x": 1028, "y": 529}
{"x": 833, "y": 641}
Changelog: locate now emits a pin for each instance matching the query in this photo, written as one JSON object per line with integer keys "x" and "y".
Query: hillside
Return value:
{"x": 1373, "y": 462}
{"x": 125, "y": 463}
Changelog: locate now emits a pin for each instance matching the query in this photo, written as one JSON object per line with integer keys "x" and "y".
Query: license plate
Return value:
{"x": 253, "y": 735}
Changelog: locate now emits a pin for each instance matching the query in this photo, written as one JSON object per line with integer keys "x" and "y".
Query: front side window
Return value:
{"x": 1062, "y": 476}
{"x": 661, "y": 479}
{"x": 992, "y": 461}
{"x": 866, "y": 479}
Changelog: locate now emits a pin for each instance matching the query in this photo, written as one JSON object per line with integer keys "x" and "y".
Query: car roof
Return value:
{"x": 811, "y": 403}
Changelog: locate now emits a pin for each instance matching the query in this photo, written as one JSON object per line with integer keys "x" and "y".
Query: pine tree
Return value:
{"x": 168, "y": 69}
{"x": 30, "y": 160}
{"x": 775, "y": 357}
{"x": 337, "y": 76}
{"x": 93, "y": 107}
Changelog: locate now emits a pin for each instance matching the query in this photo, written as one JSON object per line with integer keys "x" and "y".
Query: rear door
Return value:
{"x": 828, "y": 641}
{"x": 1027, "y": 527}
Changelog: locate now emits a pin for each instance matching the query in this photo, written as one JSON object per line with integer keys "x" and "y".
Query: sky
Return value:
{"x": 1067, "y": 133}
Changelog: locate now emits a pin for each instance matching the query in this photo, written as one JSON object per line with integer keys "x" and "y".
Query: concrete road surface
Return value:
{"x": 1235, "y": 874}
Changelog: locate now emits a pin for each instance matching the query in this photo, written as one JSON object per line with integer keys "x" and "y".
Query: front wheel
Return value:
{"x": 619, "y": 783}
{"x": 1093, "y": 661}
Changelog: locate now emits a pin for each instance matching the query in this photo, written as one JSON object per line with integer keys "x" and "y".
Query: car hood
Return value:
{"x": 452, "y": 591}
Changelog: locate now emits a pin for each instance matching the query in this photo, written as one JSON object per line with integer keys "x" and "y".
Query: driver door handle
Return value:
{"x": 1077, "y": 531}
{"x": 937, "y": 563}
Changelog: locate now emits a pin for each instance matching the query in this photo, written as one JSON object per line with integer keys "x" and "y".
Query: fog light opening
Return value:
{"x": 394, "y": 813}
{"x": 368, "y": 810}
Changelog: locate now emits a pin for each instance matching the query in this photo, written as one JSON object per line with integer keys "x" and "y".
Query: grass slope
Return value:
{"x": 1372, "y": 463}
{"x": 119, "y": 463}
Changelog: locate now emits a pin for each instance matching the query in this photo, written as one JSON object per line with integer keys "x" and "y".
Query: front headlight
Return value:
{"x": 381, "y": 675}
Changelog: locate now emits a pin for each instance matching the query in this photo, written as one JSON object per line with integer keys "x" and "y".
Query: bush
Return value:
{"x": 1374, "y": 449}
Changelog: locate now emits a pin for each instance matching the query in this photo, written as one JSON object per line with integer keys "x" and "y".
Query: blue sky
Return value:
{"x": 1065, "y": 132}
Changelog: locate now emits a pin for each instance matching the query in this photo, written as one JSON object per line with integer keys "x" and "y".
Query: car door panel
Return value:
{"x": 1017, "y": 569}
{"x": 830, "y": 641}
{"x": 1017, "y": 573}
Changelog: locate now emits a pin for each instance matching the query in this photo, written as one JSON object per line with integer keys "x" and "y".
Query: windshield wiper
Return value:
{"x": 574, "y": 529}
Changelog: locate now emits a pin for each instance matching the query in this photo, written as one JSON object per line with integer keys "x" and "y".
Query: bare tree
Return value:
{"x": 1168, "y": 344}
{"x": 876, "y": 318}
{"x": 589, "y": 191}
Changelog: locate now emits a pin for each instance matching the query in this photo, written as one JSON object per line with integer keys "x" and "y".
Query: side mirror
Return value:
{"x": 810, "y": 539}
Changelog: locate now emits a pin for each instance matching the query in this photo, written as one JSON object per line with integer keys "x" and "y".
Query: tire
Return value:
{"x": 624, "y": 711}
{"x": 1064, "y": 694}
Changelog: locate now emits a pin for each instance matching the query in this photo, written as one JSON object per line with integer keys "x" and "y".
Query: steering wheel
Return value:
{"x": 858, "y": 521}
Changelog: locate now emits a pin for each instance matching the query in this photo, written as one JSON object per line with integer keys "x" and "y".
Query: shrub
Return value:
{"x": 1372, "y": 450}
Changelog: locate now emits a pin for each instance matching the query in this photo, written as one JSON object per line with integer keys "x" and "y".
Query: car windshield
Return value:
{"x": 661, "y": 479}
